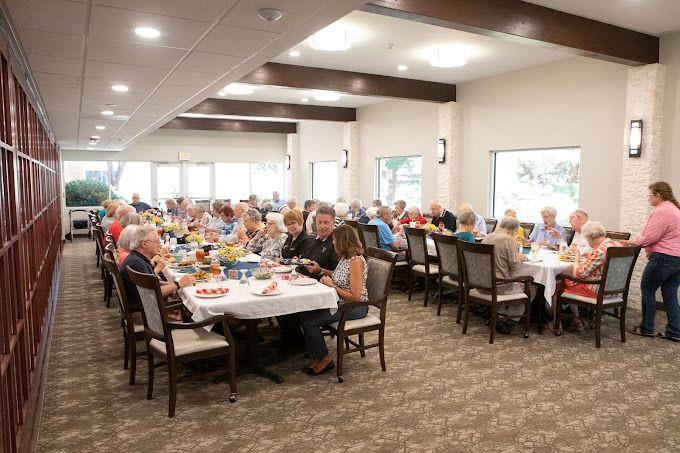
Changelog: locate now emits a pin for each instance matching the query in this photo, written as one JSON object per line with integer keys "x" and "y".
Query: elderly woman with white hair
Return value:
{"x": 123, "y": 244}
{"x": 356, "y": 211}
{"x": 115, "y": 228}
{"x": 268, "y": 242}
{"x": 591, "y": 269}
{"x": 202, "y": 218}
{"x": 548, "y": 233}
{"x": 341, "y": 210}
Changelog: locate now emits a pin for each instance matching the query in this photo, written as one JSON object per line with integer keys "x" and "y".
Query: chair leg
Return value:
{"x": 439, "y": 305}
{"x": 558, "y": 317}
{"x": 126, "y": 352}
{"x": 427, "y": 291}
{"x": 381, "y": 347}
{"x": 460, "y": 305}
{"x": 410, "y": 284}
{"x": 598, "y": 328}
{"x": 527, "y": 316}
{"x": 467, "y": 315}
{"x": 492, "y": 324}
{"x": 231, "y": 370}
{"x": 341, "y": 356}
{"x": 132, "y": 345}
{"x": 361, "y": 343}
{"x": 149, "y": 387}
{"x": 622, "y": 323}
{"x": 172, "y": 378}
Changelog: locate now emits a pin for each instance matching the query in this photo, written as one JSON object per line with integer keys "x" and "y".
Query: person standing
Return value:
{"x": 661, "y": 240}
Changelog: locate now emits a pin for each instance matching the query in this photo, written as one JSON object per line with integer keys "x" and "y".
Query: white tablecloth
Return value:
{"x": 545, "y": 269}
{"x": 242, "y": 304}
{"x": 431, "y": 248}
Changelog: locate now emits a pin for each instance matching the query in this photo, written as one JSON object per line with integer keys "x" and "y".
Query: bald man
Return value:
{"x": 480, "y": 223}
{"x": 441, "y": 217}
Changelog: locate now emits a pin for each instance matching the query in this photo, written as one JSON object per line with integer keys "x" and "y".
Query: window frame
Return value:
{"x": 376, "y": 176}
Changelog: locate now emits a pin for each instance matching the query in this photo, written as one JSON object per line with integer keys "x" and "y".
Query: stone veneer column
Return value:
{"x": 448, "y": 173}
{"x": 350, "y": 175}
{"x": 644, "y": 100}
{"x": 293, "y": 175}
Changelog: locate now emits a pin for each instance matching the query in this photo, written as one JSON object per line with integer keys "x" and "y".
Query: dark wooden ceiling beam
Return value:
{"x": 274, "y": 110}
{"x": 207, "y": 124}
{"x": 524, "y": 22}
{"x": 357, "y": 83}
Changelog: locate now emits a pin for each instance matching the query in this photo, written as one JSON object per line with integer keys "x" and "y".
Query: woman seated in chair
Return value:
{"x": 269, "y": 241}
{"x": 466, "y": 226}
{"x": 591, "y": 269}
{"x": 349, "y": 281}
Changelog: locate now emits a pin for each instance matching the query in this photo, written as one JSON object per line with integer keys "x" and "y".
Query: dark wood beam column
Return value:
{"x": 274, "y": 110}
{"x": 206, "y": 124}
{"x": 524, "y": 22}
{"x": 292, "y": 76}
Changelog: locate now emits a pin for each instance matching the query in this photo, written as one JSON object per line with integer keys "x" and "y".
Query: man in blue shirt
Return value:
{"x": 277, "y": 202}
{"x": 548, "y": 233}
{"x": 386, "y": 240}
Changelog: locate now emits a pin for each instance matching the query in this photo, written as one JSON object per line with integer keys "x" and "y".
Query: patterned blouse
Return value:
{"x": 591, "y": 269}
{"x": 341, "y": 276}
{"x": 267, "y": 246}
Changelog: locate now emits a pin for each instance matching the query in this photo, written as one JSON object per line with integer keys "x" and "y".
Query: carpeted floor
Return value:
{"x": 443, "y": 391}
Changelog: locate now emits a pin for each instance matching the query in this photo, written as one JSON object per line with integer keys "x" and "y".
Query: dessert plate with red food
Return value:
{"x": 212, "y": 292}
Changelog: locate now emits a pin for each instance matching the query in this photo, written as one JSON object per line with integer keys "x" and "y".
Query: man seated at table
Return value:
{"x": 239, "y": 209}
{"x": 441, "y": 217}
{"x": 252, "y": 224}
{"x": 508, "y": 262}
{"x": 386, "y": 240}
{"x": 480, "y": 223}
{"x": 548, "y": 233}
{"x": 310, "y": 206}
{"x": 519, "y": 238}
{"x": 320, "y": 250}
{"x": 145, "y": 245}
{"x": 277, "y": 202}
{"x": 223, "y": 222}
{"x": 578, "y": 219}
{"x": 138, "y": 204}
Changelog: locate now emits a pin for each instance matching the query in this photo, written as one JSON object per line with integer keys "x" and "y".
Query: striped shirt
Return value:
{"x": 662, "y": 231}
{"x": 591, "y": 269}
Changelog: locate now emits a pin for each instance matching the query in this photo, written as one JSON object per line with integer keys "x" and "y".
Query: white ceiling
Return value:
{"x": 411, "y": 44}
{"x": 654, "y": 17}
{"x": 78, "y": 49}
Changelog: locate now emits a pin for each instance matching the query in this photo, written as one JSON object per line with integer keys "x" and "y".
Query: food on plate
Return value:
{"x": 566, "y": 257}
{"x": 185, "y": 264}
{"x": 202, "y": 275}
{"x": 305, "y": 261}
{"x": 261, "y": 273}
{"x": 272, "y": 287}
{"x": 211, "y": 291}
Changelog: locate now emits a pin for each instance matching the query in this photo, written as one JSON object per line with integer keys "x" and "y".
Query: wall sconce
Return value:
{"x": 344, "y": 158}
{"x": 635, "y": 139}
{"x": 441, "y": 150}
{"x": 287, "y": 161}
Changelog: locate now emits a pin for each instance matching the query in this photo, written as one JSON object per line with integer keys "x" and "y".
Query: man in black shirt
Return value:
{"x": 442, "y": 217}
{"x": 320, "y": 250}
{"x": 139, "y": 205}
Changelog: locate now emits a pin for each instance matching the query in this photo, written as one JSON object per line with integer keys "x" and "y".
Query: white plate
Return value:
{"x": 210, "y": 296}
{"x": 273, "y": 293}
{"x": 302, "y": 281}
{"x": 283, "y": 269}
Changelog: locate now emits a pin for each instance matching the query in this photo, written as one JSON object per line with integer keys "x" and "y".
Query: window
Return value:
{"x": 86, "y": 183}
{"x": 131, "y": 177}
{"x": 528, "y": 180}
{"x": 168, "y": 180}
{"x": 97, "y": 175}
{"x": 325, "y": 181}
{"x": 399, "y": 178}
{"x": 266, "y": 178}
{"x": 198, "y": 181}
{"x": 232, "y": 181}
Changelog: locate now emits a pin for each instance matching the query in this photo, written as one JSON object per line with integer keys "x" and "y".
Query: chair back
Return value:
{"x": 490, "y": 225}
{"x": 368, "y": 234}
{"x": 527, "y": 227}
{"x": 447, "y": 254}
{"x": 153, "y": 306}
{"x": 110, "y": 251}
{"x": 618, "y": 235}
{"x": 354, "y": 224}
{"x": 478, "y": 262}
{"x": 569, "y": 233}
{"x": 416, "y": 241}
{"x": 380, "y": 268}
{"x": 114, "y": 270}
{"x": 618, "y": 269}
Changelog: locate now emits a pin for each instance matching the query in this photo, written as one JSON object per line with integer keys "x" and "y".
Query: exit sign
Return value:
{"x": 184, "y": 156}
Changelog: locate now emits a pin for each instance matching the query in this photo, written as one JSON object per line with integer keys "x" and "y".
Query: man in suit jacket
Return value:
{"x": 441, "y": 216}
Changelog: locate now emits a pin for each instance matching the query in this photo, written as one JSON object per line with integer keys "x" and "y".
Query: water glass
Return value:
{"x": 193, "y": 245}
{"x": 173, "y": 243}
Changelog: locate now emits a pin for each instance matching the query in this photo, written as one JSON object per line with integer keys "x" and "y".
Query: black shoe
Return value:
{"x": 328, "y": 366}
{"x": 505, "y": 327}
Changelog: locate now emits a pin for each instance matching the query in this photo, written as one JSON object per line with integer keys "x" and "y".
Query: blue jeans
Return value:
{"x": 662, "y": 271}
{"x": 312, "y": 321}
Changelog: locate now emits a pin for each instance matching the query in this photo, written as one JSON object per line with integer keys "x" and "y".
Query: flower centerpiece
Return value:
{"x": 171, "y": 228}
{"x": 430, "y": 228}
{"x": 228, "y": 255}
{"x": 158, "y": 221}
{"x": 194, "y": 237}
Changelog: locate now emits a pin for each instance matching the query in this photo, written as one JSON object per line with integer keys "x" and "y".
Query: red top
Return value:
{"x": 115, "y": 229}
{"x": 421, "y": 220}
{"x": 662, "y": 231}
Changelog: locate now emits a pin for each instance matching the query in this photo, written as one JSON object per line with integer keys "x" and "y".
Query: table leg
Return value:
{"x": 251, "y": 352}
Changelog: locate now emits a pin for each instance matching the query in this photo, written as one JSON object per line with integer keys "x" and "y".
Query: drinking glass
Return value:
{"x": 173, "y": 243}
{"x": 215, "y": 268}
{"x": 200, "y": 255}
{"x": 193, "y": 245}
{"x": 535, "y": 246}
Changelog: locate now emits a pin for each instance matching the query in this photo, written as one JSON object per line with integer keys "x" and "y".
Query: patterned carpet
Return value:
{"x": 442, "y": 391}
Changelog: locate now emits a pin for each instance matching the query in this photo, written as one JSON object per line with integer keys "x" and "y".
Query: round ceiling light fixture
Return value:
{"x": 269, "y": 14}
{"x": 304, "y": 100}
{"x": 107, "y": 112}
{"x": 120, "y": 88}
{"x": 238, "y": 88}
{"x": 100, "y": 127}
{"x": 147, "y": 32}
{"x": 334, "y": 38}
{"x": 402, "y": 67}
{"x": 328, "y": 96}
{"x": 294, "y": 53}
{"x": 448, "y": 56}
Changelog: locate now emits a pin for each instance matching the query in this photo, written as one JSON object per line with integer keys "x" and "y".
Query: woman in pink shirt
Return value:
{"x": 661, "y": 240}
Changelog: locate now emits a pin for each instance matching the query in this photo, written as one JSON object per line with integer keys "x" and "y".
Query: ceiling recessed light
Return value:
{"x": 221, "y": 93}
{"x": 107, "y": 112}
{"x": 238, "y": 88}
{"x": 304, "y": 100}
{"x": 95, "y": 137}
{"x": 269, "y": 14}
{"x": 100, "y": 128}
{"x": 120, "y": 88}
{"x": 402, "y": 67}
{"x": 294, "y": 53}
{"x": 448, "y": 57}
{"x": 333, "y": 38}
{"x": 147, "y": 32}
{"x": 326, "y": 96}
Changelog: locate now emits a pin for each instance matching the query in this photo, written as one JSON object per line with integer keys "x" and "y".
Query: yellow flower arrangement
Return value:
{"x": 171, "y": 228}
{"x": 158, "y": 220}
{"x": 148, "y": 215}
{"x": 194, "y": 237}
{"x": 230, "y": 254}
{"x": 430, "y": 227}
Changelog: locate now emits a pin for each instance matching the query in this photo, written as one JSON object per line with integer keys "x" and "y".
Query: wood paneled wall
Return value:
{"x": 30, "y": 248}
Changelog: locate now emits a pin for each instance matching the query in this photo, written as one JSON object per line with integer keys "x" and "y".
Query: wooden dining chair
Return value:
{"x": 569, "y": 233}
{"x": 480, "y": 286}
{"x": 418, "y": 263}
{"x": 618, "y": 235}
{"x": 368, "y": 234}
{"x": 612, "y": 291}
{"x": 353, "y": 223}
{"x": 490, "y": 225}
{"x": 176, "y": 342}
{"x": 380, "y": 268}
{"x": 448, "y": 259}
{"x": 527, "y": 228}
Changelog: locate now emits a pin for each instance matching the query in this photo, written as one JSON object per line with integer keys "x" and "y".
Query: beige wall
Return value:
{"x": 670, "y": 56}
{"x": 575, "y": 102}
{"x": 319, "y": 141}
